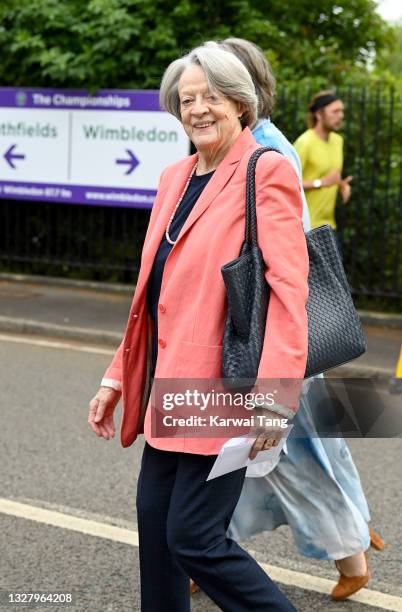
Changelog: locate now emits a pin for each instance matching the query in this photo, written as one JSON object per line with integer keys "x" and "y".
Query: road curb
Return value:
{"x": 380, "y": 319}
{"x": 50, "y": 330}
{"x": 367, "y": 317}
{"x": 52, "y": 281}
{"x": 108, "y": 338}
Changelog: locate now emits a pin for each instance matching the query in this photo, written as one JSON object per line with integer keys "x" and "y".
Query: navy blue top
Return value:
{"x": 193, "y": 192}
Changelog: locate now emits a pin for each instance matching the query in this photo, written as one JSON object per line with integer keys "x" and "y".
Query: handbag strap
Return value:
{"x": 251, "y": 215}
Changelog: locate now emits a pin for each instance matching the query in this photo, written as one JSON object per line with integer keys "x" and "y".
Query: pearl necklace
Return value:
{"x": 168, "y": 238}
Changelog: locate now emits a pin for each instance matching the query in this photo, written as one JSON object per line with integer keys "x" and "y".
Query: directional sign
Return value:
{"x": 10, "y": 156}
{"x": 132, "y": 161}
{"x": 69, "y": 146}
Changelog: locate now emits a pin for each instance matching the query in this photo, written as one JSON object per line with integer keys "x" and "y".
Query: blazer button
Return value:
{"x": 162, "y": 308}
{"x": 135, "y": 316}
{"x": 162, "y": 343}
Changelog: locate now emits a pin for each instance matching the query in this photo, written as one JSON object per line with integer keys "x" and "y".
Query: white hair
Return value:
{"x": 224, "y": 73}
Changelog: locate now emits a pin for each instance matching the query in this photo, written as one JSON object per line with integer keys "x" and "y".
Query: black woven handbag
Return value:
{"x": 335, "y": 334}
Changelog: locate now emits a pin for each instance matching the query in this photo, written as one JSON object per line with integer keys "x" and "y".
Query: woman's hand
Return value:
{"x": 101, "y": 409}
{"x": 267, "y": 436}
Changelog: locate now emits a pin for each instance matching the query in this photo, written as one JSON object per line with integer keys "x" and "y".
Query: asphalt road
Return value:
{"x": 107, "y": 312}
{"x": 51, "y": 460}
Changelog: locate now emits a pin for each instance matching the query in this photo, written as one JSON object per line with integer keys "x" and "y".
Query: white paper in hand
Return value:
{"x": 235, "y": 455}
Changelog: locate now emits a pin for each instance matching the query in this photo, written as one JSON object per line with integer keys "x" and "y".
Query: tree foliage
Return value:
{"x": 389, "y": 60}
{"x": 128, "y": 43}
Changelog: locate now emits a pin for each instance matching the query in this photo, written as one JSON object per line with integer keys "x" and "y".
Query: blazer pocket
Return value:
{"x": 198, "y": 360}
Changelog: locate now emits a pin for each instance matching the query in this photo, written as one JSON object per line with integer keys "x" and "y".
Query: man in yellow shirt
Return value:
{"x": 320, "y": 150}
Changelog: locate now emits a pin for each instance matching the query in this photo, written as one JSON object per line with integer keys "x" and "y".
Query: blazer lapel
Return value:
{"x": 170, "y": 197}
{"x": 221, "y": 177}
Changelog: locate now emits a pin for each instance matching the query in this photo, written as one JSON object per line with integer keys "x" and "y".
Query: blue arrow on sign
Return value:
{"x": 10, "y": 156}
{"x": 132, "y": 162}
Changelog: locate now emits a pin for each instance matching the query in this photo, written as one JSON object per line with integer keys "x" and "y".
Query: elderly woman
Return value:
{"x": 176, "y": 325}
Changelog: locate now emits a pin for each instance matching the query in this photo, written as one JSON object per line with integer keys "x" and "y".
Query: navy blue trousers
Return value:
{"x": 182, "y": 524}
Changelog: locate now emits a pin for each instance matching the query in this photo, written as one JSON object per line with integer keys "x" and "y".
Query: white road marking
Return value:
{"x": 130, "y": 537}
{"x": 68, "y": 521}
{"x": 58, "y": 345}
{"x": 323, "y": 585}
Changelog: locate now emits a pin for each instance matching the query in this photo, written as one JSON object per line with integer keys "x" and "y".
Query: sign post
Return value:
{"x": 68, "y": 146}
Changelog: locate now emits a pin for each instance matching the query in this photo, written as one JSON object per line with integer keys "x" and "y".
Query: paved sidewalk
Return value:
{"x": 76, "y": 311}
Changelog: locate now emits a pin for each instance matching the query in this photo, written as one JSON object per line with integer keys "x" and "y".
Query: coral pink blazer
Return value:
{"x": 192, "y": 300}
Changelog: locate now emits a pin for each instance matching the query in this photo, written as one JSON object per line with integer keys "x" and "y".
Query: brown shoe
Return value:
{"x": 376, "y": 540}
{"x": 193, "y": 587}
{"x": 347, "y": 585}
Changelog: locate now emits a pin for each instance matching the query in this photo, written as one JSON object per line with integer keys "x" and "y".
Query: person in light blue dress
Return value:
{"x": 315, "y": 488}
{"x": 268, "y": 135}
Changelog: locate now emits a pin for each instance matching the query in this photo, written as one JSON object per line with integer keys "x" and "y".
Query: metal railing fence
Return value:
{"x": 104, "y": 243}
{"x": 370, "y": 225}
